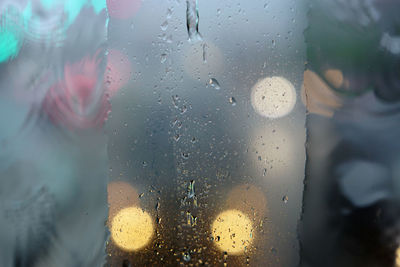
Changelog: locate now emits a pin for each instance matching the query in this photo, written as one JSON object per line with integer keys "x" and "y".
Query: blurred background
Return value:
{"x": 199, "y": 133}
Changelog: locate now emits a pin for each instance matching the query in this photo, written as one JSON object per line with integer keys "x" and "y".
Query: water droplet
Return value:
{"x": 177, "y": 137}
{"x": 186, "y": 256}
{"x": 191, "y": 189}
{"x": 164, "y": 25}
{"x": 157, "y": 206}
{"x": 169, "y": 13}
{"x": 175, "y": 100}
{"x": 285, "y": 199}
{"x": 232, "y": 101}
{"x": 185, "y": 155}
{"x": 204, "y": 53}
{"x": 163, "y": 58}
{"x": 264, "y": 172}
{"x": 214, "y": 83}
{"x": 144, "y": 163}
{"x": 183, "y": 109}
{"x": 169, "y": 39}
{"x": 218, "y": 12}
{"x": 191, "y": 220}
{"x": 225, "y": 255}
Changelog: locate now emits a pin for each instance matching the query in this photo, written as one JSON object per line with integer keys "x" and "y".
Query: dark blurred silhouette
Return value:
{"x": 351, "y": 202}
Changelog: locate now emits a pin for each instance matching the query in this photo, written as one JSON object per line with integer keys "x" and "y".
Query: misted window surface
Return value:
{"x": 199, "y": 133}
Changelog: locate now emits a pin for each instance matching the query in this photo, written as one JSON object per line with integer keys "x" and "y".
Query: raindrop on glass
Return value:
{"x": 232, "y": 101}
{"x": 169, "y": 13}
{"x": 163, "y": 58}
{"x": 186, "y": 256}
{"x": 191, "y": 189}
{"x": 177, "y": 137}
{"x": 164, "y": 25}
{"x": 214, "y": 83}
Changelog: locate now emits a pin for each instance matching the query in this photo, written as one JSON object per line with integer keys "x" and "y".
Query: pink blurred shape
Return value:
{"x": 80, "y": 100}
{"x": 118, "y": 71}
{"x": 122, "y": 9}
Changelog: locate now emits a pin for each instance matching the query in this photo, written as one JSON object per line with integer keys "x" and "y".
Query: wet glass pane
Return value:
{"x": 199, "y": 133}
{"x": 208, "y": 134}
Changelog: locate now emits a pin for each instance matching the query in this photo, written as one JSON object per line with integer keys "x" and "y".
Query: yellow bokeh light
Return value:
{"x": 232, "y": 231}
{"x": 273, "y": 97}
{"x": 132, "y": 229}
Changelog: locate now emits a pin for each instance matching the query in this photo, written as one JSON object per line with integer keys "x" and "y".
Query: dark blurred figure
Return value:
{"x": 351, "y": 211}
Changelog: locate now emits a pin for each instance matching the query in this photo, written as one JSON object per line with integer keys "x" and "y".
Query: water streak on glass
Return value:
{"x": 192, "y": 20}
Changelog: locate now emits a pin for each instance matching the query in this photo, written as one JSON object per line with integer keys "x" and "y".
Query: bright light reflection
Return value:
{"x": 273, "y": 97}
{"x": 232, "y": 231}
{"x": 132, "y": 229}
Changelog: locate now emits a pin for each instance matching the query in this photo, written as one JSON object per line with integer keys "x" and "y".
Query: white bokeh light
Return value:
{"x": 273, "y": 97}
